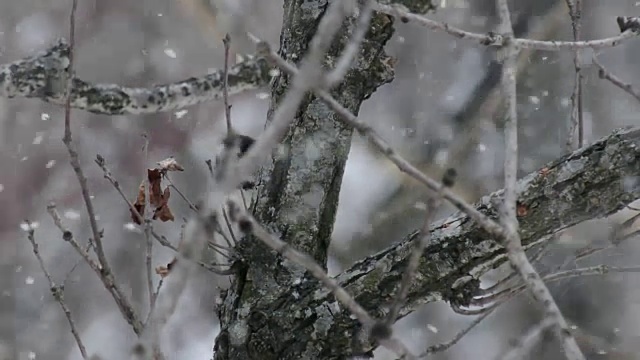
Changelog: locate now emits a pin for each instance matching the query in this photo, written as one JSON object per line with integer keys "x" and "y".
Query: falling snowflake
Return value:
{"x": 170, "y": 53}
{"x": 71, "y": 215}
{"x": 25, "y": 226}
{"x": 38, "y": 139}
{"x": 181, "y": 113}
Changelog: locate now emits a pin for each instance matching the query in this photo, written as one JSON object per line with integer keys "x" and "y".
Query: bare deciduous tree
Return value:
{"x": 269, "y": 237}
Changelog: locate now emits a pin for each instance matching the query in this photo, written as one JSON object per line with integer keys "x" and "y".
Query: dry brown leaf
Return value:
{"x": 163, "y": 212}
{"x": 158, "y": 199}
{"x": 155, "y": 193}
{"x": 163, "y": 271}
{"x": 139, "y": 204}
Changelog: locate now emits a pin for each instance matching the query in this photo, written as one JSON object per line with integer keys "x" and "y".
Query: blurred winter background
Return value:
{"x": 441, "y": 110}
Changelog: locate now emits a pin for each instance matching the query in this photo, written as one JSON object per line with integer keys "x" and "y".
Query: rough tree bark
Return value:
{"x": 274, "y": 311}
{"x": 298, "y": 195}
{"x": 300, "y": 318}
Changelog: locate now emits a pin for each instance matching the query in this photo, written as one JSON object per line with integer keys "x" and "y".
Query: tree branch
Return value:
{"x": 513, "y": 243}
{"x": 44, "y": 76}
{"x": 298, "y": 190}
{"x": 587, "y": 184}
{"x": 628, "y": 30}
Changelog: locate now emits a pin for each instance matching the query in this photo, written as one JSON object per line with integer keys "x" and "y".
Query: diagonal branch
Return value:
{"x": 603, "y": 73}
{"x": 493, "y": 39}
{"x": 577, "y": 116}
{"x": 578, "y": 187}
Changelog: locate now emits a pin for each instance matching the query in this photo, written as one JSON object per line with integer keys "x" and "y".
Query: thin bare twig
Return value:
{"x": 502, "y": 283}
{"x": 577, "y": 119}
{"x": 57, "y": 291}
{"x": 487, "y": 302}
{"x": 105, "y": 270}
{"x": 147, "y": 223}
{"x": 624, "y": 231}
{"x": 122, "y": 302}
{"x": 603, "y": 73}
{"x": 512, "y": 242}
{"x": 192, "y": 206}
{"x": 447, "y": 345}
{"x": 588, "y": 271}
{"x": 509, "y": 52}
{"x": 492, "y": 39}
{"x": 432, "y": 203}
{"x": 73, "y": 154}
{"x": 249, "y": 225}
{"x": 153, "y": 303}
{"x": 470, "y": 312}
{"x": 225, "y": 87}
{"x": 230, "y": 228}
{"x": 527, "y": 341}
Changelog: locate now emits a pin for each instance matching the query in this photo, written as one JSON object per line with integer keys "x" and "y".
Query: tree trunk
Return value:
{"x": 298, "y": 198}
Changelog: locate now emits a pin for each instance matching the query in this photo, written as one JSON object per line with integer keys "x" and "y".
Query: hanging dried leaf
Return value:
{"x": 139, "y": 204}
{"x": 162, "y": 212}
{"x": 163, "y": 271}
{"x": 155, "y": 192}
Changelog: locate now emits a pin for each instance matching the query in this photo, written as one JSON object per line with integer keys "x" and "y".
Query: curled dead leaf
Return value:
{"x": 163, "y": 271}
{"x": 162, "y": 212}
{"x": 155, "y": 181}
{"x": 158, "y": 199}
{"x": 139, "y": 204}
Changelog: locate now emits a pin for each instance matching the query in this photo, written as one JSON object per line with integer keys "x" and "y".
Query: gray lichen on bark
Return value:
{"x": 44, "y": 76}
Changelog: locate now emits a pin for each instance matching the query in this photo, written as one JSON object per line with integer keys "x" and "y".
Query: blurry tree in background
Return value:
{"x": 320, "y": 240}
